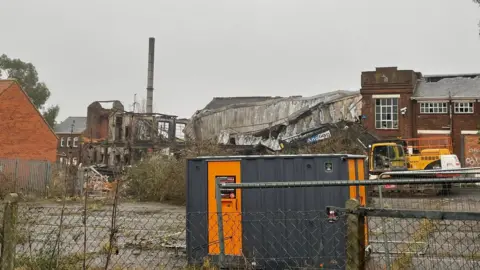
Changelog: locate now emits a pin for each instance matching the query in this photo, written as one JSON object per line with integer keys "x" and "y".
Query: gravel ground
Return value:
{"x": 150, "y": 236}
{"x": 441, "y": 244}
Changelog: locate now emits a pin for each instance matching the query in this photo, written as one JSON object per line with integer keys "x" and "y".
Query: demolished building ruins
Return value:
{"x": 272, "y": 121}
{"x": 114, "y": 136}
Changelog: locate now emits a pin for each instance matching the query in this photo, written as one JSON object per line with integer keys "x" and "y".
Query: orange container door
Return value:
{"x": 231, "y": 208}
{"x": 356, "y": 171}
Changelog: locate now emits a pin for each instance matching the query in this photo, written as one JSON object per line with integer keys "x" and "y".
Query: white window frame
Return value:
{"x": 385, "y": 107}
{"x": 69, "y": 141}
{"x": 466, "y": 107}
{"x": 434, "y": 107}
{"x": 62, "y": 142}
{"x": 75, "y": 142}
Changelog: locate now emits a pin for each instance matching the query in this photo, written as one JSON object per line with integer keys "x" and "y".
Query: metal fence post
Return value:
{"x": 15, "y": 177}
{"x": 9, "y": 232}
{"x": 80, "y": 181}
{"x": 221, "y": 243}
{"x": 355, "y": 236}
{"x": 384, "y": 228}
{"x": 48, "y": 174}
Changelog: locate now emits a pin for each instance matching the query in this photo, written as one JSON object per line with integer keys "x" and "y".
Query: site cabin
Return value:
{"x": 246, "y": 228}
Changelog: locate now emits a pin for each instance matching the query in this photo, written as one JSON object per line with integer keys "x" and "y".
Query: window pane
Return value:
{"x": 395, "y": 101}
{"x": 377, "y": 124}
{"x": 435, "y": 107}
{"x": 377, "y": 102}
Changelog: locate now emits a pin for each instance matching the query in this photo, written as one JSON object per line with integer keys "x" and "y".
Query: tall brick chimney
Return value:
{"x": 151, "y": 62}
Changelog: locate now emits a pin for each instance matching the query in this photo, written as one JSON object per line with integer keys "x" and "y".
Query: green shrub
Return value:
{"x": 162, "y": 178}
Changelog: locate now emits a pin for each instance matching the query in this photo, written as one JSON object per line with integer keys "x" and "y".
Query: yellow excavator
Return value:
{"x": 408, "y": 154}
{"x": 411, "y": 155}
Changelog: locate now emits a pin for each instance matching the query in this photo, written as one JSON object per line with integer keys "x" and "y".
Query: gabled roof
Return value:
{"x": 456, "y": 87}
{"x": 6, "y": 84}
{"x": 79, "y": 125}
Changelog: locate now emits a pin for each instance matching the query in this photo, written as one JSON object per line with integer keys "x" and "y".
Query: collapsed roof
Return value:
{"x": 266, "y": 121}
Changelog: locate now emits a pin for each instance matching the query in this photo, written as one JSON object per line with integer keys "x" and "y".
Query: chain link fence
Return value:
{"x": 115, "y": 233}
{"x": 157, "y": 240}
{"x": 423, "y": 243}
{"x": 49, "y": 238}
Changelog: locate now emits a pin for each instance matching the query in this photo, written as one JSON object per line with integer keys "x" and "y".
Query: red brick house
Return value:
{"x": 24, "y": 134}
{"x": 406, "y": 104}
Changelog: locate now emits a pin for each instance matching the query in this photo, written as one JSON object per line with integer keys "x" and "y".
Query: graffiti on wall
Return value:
{"x": 472, "y": 150}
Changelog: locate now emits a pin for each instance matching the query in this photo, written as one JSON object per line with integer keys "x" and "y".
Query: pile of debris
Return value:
{"x": 340, "y": 137}
{"x": 96, "y": 182}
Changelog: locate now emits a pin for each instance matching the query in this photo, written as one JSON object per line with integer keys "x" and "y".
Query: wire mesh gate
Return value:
{"x": 393, "y": 238}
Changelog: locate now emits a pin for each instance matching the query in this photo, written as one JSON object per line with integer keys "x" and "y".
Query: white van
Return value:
{"x": 450, "y": 162}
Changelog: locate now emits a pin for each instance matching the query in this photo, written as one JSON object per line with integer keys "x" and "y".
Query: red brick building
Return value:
{"x": 24, "y": 134}
{"x": 406, "y": 104}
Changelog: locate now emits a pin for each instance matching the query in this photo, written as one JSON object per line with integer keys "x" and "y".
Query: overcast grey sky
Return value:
{"x": 97, "y": 50}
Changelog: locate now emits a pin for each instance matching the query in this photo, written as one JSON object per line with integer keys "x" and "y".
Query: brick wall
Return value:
{"x": 442, "y": 122}
{"x": 389, "y": 81}
{"x": 97, "y": 122}
{"x": 23, "y": 132}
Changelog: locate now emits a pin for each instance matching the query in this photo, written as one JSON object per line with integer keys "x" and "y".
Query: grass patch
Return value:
{"x": 44, "y": 261}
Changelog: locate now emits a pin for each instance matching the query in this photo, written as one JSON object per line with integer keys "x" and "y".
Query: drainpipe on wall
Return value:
{"x": 450, "y": 112}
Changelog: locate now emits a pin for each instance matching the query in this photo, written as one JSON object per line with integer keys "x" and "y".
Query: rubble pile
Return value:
{"x": 342, "y": 137}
